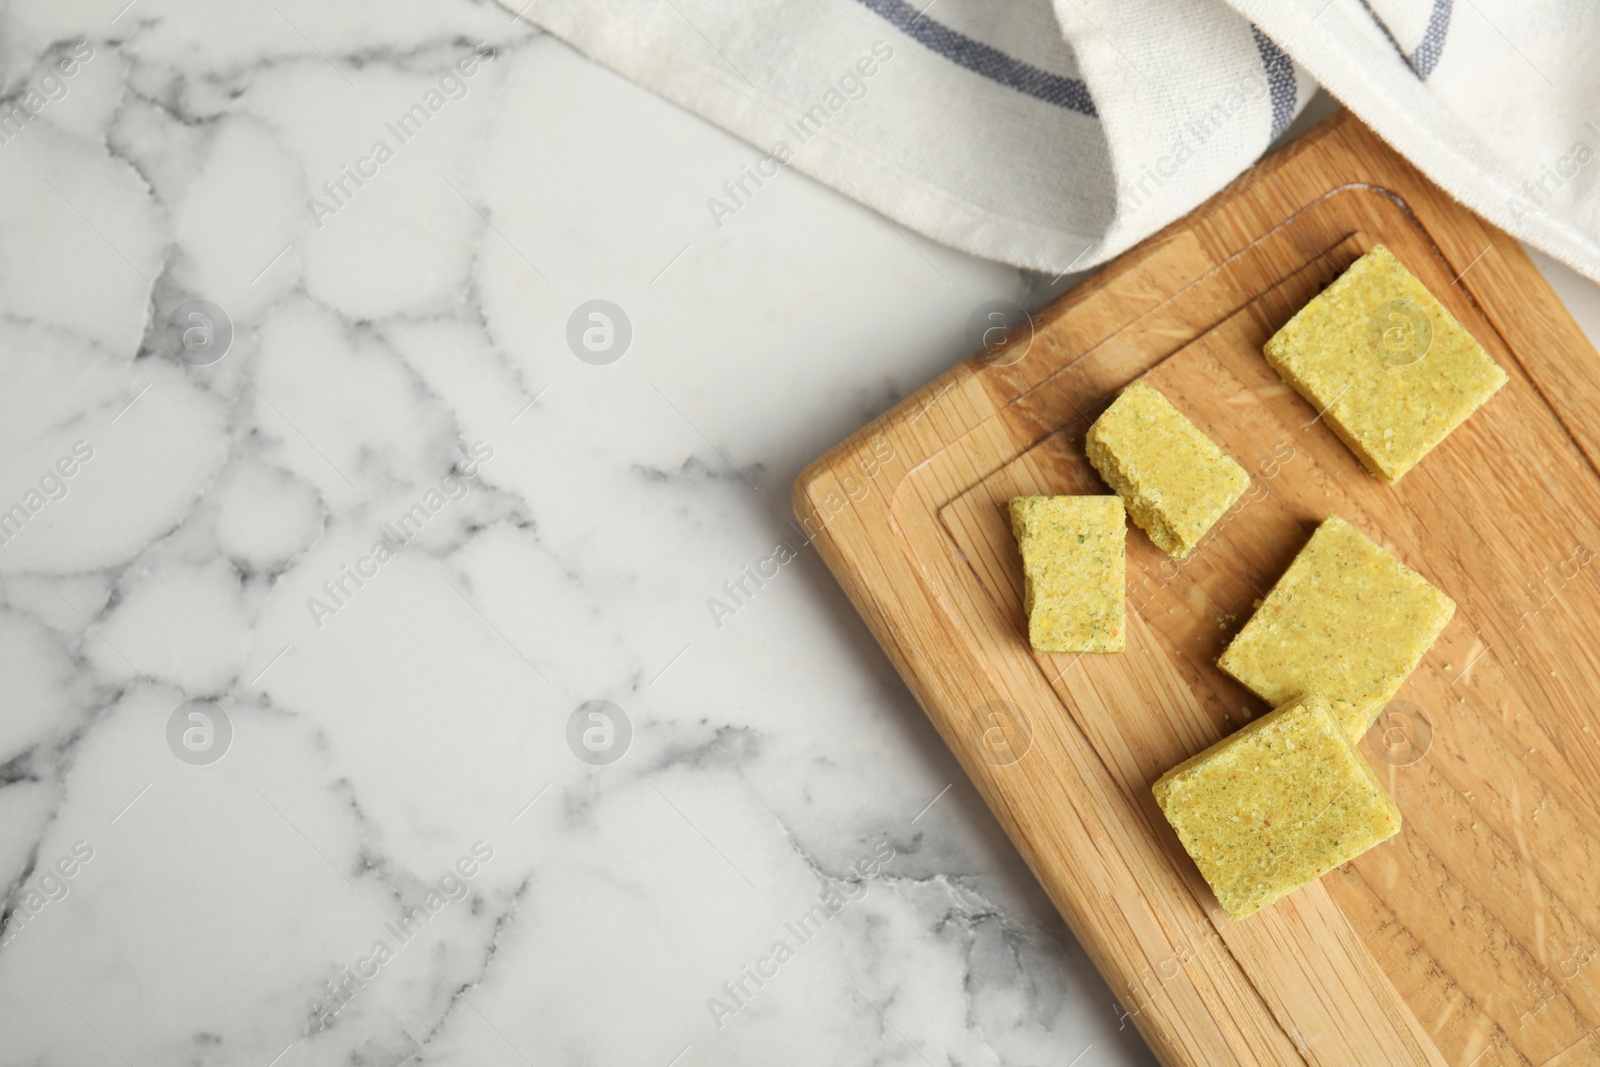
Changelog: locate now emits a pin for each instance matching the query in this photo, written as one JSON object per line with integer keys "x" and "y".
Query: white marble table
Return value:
{"x": 298, "y": 639}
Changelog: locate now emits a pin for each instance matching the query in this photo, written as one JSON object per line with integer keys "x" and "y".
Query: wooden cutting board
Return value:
{"x": 1473, "y": 938}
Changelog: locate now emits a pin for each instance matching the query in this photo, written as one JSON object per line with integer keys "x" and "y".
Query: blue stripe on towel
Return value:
{"x": 983, "y": 59}
{"x": 1279, "y": 69}
{"x": 1426, "y": 56}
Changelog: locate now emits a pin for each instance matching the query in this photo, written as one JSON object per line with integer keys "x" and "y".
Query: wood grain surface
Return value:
{"x": 1471, "y": 939}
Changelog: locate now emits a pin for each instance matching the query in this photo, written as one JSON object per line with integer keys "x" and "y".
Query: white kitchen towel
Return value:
{"x": 1498, "y": 101}
{"x": 1053, "y": 136}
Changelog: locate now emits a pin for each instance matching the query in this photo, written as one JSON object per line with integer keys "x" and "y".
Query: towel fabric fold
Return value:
{"x": 1053, "y": 137}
